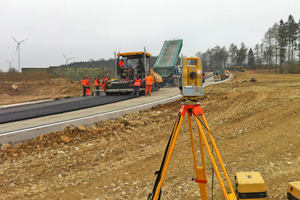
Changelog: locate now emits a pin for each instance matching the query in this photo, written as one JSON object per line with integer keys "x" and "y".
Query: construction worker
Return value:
{"x": 104, "y": 78}
{"x": 97, "y": 85}
{"x": 87, "y": 86}
{"x": 104, "y": 82}
{"x": 136, "y": 86}
{"x": 121, "y": 63}
{"x": 84, "y": 85}
{"x": 149, "y": 81}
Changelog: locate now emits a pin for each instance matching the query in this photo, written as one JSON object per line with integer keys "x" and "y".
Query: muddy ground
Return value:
{"x": 255, "y": 126}
{"x": 18, "y": 88}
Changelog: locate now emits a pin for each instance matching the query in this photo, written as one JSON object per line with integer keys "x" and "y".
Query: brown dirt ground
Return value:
{"x": 255, "y": 126}
{"x": 36, "y": 86}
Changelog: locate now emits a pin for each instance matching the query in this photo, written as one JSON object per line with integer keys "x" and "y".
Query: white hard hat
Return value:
{"x": 120, "y": 58}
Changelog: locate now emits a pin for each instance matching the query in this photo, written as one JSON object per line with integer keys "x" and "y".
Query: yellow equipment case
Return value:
{"x": 293, "y": 191}
{"x": 250, "y": 185}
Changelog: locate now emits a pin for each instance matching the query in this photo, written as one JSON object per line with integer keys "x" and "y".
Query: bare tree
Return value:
{"x": 268, "y": 47}
{"x": 13, "y": 70}
{"x": 275, "y": 38}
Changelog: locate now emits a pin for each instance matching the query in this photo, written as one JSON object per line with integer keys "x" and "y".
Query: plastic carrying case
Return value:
{"x": 250, "y": 185}
{"x": 293, "y": 191}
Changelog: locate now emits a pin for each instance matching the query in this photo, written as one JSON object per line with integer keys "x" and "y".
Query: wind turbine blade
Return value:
{"x": 64, "y": 55}
{"x": 23, "y": 40}
{"x": 14, "y": 39}
{"x": 72, "y": 58}
{"x": 17, "y": 48}
{"x": 7, "y": 60}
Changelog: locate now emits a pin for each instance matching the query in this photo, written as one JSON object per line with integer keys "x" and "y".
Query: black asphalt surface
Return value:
{"x": 210, "y": 75}
{"x": 31, "y": 111}
{"x": 12, "y": 114}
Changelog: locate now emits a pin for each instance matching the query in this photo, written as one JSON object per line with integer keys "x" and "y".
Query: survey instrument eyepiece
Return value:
{"x": 191, "y": 79}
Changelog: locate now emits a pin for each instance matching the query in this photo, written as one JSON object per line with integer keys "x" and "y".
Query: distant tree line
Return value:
{"x": 110, "y": 63}
{"x": 280, "y": 48}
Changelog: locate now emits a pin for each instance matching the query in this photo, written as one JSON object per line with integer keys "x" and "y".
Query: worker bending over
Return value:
{"x": 84, "y": 85}
{"x": 104, "y": 82}
{"x": 149, "y": 81}
{"x": 136, "y": 86}
{"x": 87, "y": 87}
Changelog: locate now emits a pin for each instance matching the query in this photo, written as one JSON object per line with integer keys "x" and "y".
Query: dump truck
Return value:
{"x": 219, "y": 75}
{"x": 166, "y": 63}
{"x": 132, "y": 64}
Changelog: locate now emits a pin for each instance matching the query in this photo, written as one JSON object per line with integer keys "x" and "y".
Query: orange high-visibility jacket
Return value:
{"x": 87, "y": 83}
{"x": 137, "y": 82}
{"x": 96, "y": 82}
{"x": 84, "y": 82}
{"x": 104, "y": 79}
{"x": 149, "y": 79}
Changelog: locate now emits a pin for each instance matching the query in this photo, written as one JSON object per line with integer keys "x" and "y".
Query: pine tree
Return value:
{"x": 282, "y": 42}
{"x": 292, "y": 33}
{"x": 257, "y": 54}
{"x": 250, "y": 57}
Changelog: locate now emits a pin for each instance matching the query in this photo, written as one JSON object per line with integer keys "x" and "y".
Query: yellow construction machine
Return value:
{"x": 128, "y": 65}
{"x": 239, "y": 69}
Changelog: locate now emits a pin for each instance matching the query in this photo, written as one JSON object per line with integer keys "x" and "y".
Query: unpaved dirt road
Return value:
{"x": 255, "y": 125}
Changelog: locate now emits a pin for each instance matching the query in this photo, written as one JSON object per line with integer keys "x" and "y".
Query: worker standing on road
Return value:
{"x": 149, "y": 81}
{"x": 136, "y": 86}
{"x": 84, "y": 85}
{"x": 97, "y": 85}
{"x": 87, "y": 87}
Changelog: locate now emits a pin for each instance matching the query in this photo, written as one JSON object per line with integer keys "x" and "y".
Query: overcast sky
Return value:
{"x": 94, "y": 29}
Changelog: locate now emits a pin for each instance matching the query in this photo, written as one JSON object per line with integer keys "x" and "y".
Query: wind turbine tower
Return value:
{"x": 9, "y": 63}
{"x": 67, "y": 58}
{"x": 18, "y": 48}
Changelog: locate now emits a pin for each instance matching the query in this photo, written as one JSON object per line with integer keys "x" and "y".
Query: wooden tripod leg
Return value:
{"x": 168, "y": 157}
{"x": 200, "y": 171}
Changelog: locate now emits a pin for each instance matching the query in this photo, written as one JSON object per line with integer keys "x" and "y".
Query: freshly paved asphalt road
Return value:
{"x": 23, "y": 112}
{"x": 31, "y": 111}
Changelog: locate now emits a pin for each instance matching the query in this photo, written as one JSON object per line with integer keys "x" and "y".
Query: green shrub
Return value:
{"x": 294, "y": 69}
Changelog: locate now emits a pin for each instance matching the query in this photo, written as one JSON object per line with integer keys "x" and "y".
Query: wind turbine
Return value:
{"x": 9, "y": 63}
{"x": 18, "y": 48}
{"x": 67, "y": 58}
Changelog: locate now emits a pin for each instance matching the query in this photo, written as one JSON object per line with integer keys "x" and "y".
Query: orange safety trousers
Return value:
{"x": 148, "y": 88}
{"x": 103, "y": 87}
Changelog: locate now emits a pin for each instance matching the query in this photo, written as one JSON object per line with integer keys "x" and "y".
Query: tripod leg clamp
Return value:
{"x": 199, "y": 181}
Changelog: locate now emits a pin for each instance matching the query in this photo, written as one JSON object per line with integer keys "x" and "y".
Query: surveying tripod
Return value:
{"x": 193, "y": 109}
